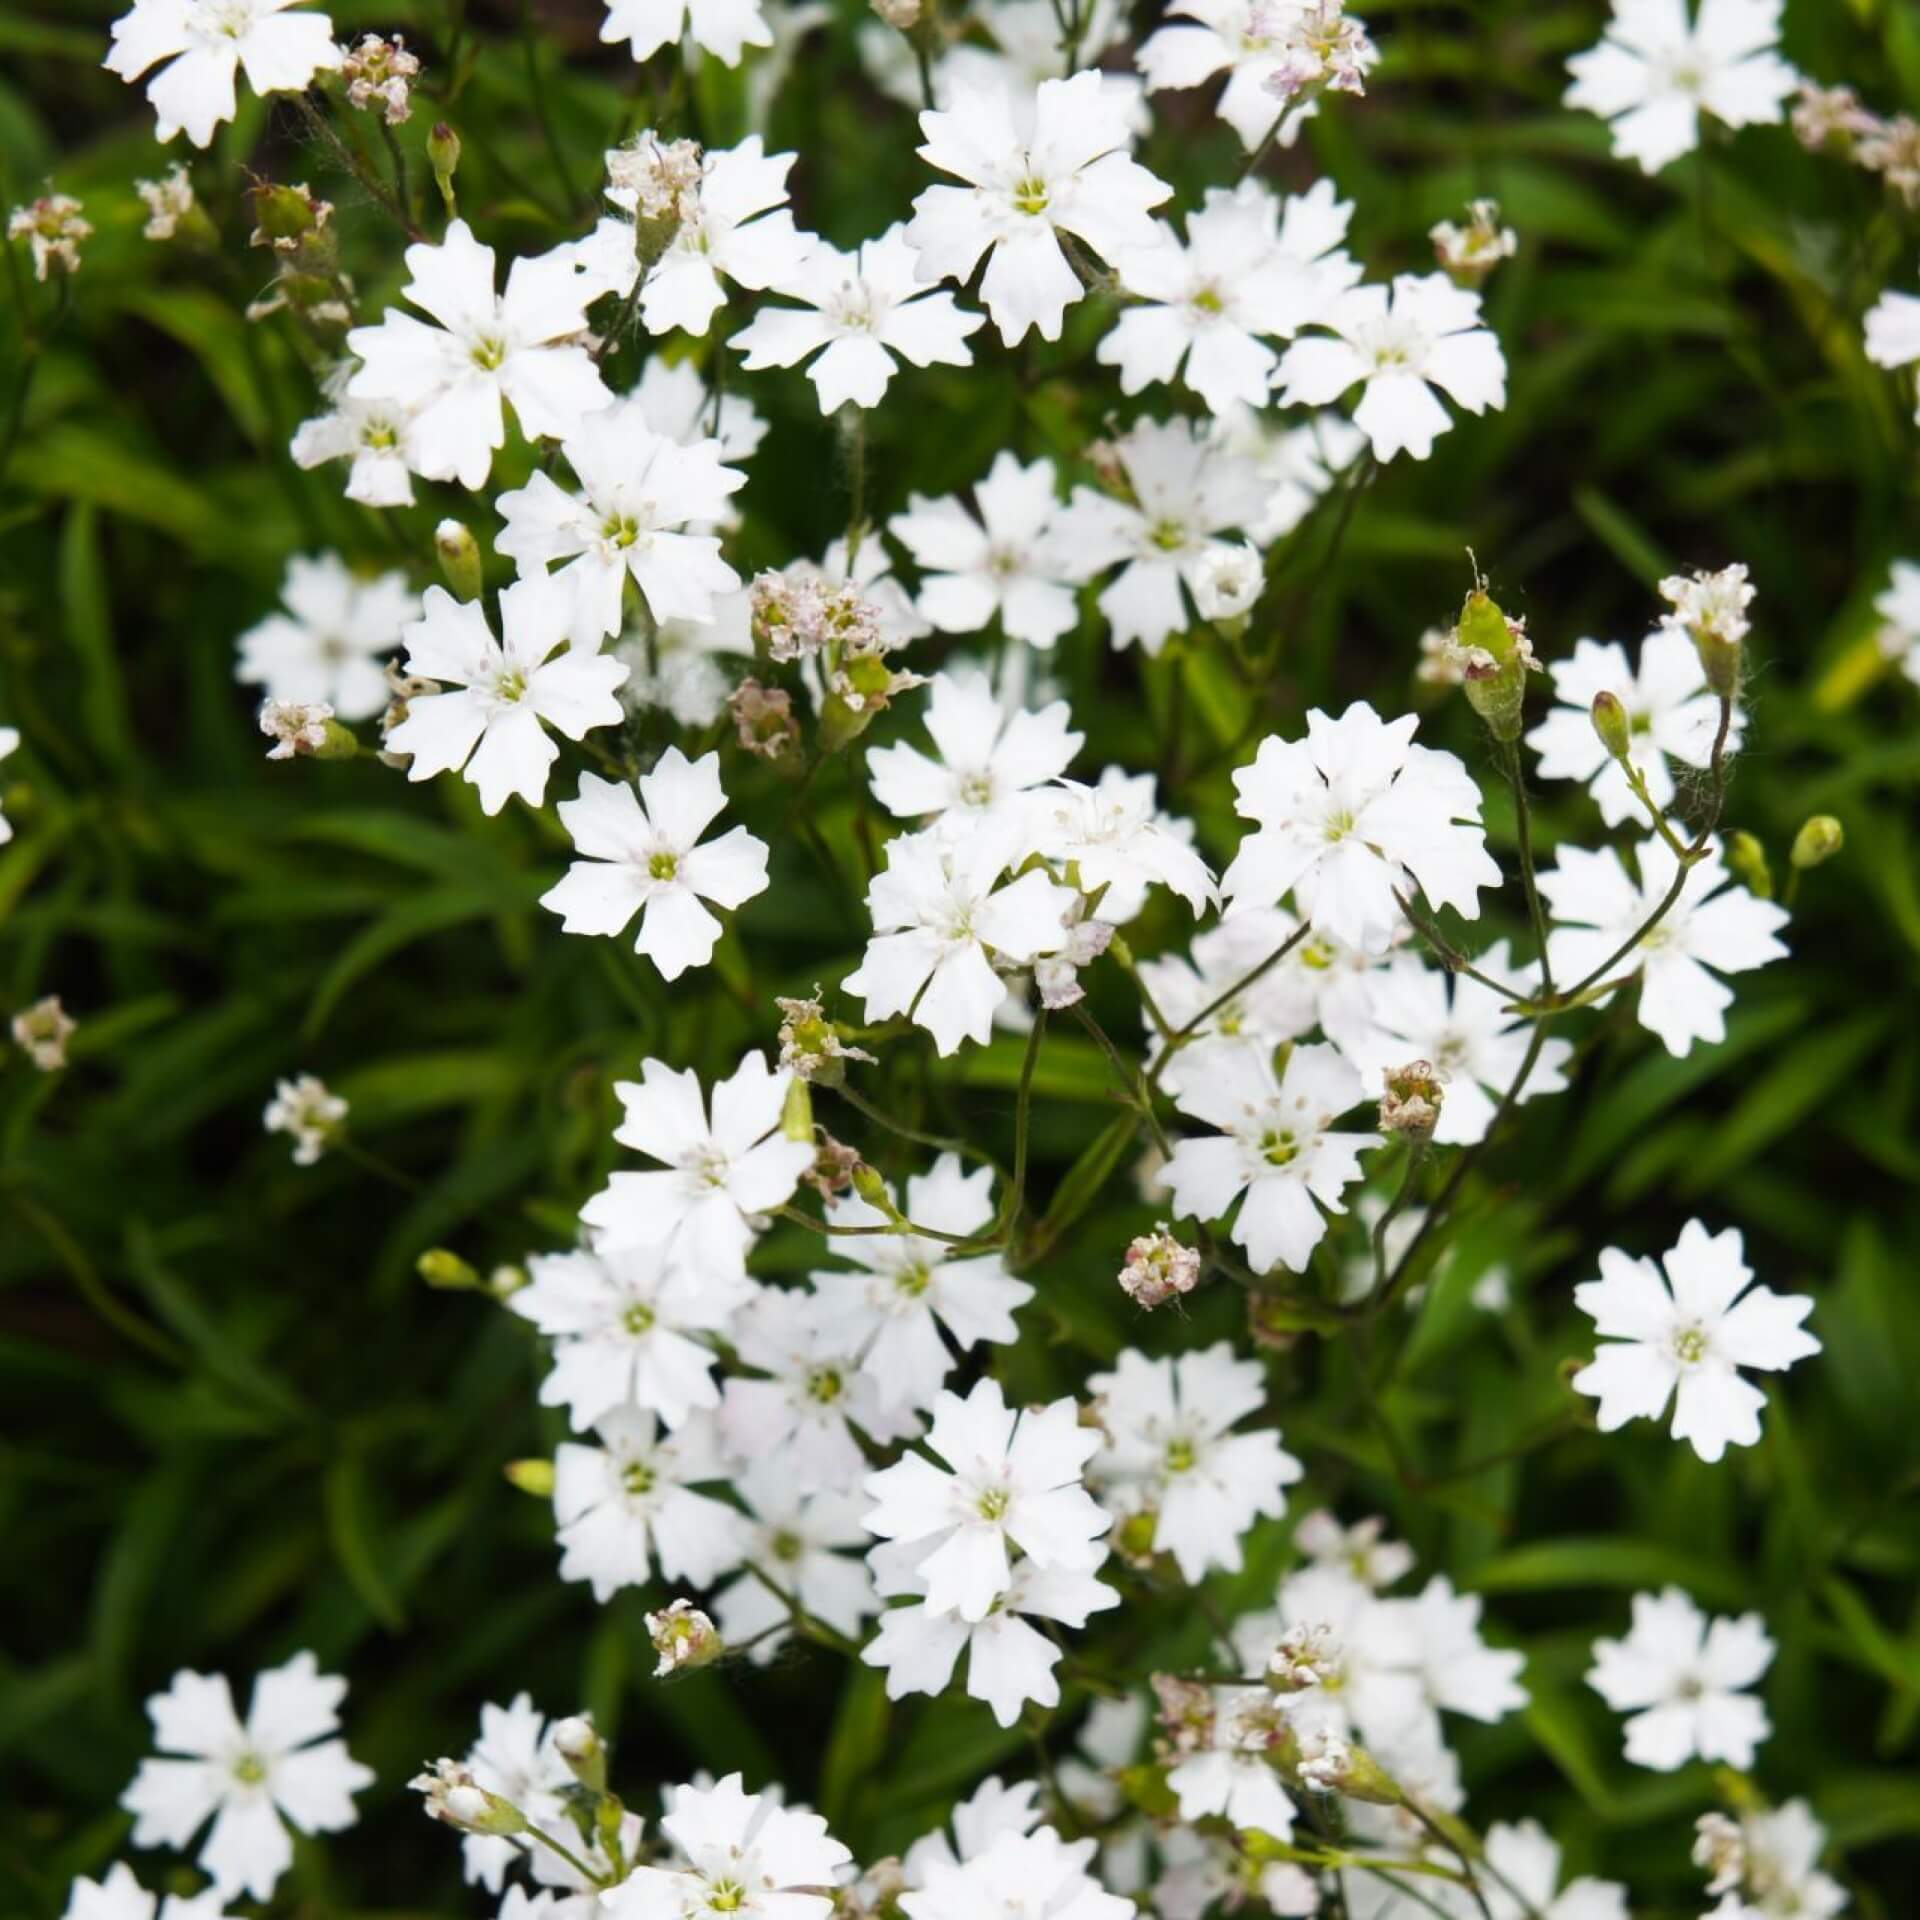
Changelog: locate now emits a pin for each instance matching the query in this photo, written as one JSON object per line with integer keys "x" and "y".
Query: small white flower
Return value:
{"x": 205, "y": 44}
{"x": 1276, "y": 1146}
{"x": 517, "y": 1757}
{"x": 1247, "y": 40}
{"x": 644, "y": 855}
{"x": 375, "y": 437}
{"x": 863, "y": 310}
{"x": 42, "y": 1031}
{"x": 718, "y": 1174}
{"x": 121, "y": 1897}
{"x": 53, "y": 229}
{"x": 1400, "y": 343}
{"x": 1685, "y": 1337}
{"x": 1007, "y": 562}
{"x": 1114, "y": 836}
{"x": 1778, "y": 1869}
{"x": 488, "y": 351}
{"x": 1655, "y": 73}
{"x": 326, "y": 646}
{"x": 168, "y": 202}
{"x": 1021, "y": 1876}
{"x": 1358, "y": 810}
{"x": 806, "y": 1542}
{"x": 505, "y": 689}
{"x": 1681, "y": 1680}
{"x": 1521, "y": 1879}
{"x": 1899, "y": 607}
{"x": 642, "y": 497}
{"x": 1712, "y": 925}
{"x": 725, "y": 28}
{"x": 1231, "y": 1776}
{"x": 309, "y": 1112}
{"x": 1893, "y": 332}
{"x": 1360, "y": 1549}
{"x": 1036, "y": 166}
{"x": 248, "y": 1778}
{"x": 1012, "y": 1480}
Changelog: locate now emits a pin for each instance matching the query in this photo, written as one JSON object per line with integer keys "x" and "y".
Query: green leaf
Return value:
{"x": 1632, "y": 1565}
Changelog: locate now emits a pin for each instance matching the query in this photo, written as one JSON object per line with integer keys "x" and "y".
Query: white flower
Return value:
{"x": 626, "y": 1328}
{"x": 1007, "y": 562}
{"x": 1008, "y": 1661}
{"x": 644, "y": 855}
{"x": 1462, "y": 1026}
{"x": 864, "y": 309}
{"x": 1459, "y": 1671}
{"x": 1360, "y": 1549}
{"x": 505, "y": 688}
{"x": 488, "y": 349}
{"x": 1711, "y": 925}
{"x": 991, "y": 761}
{"x": 1295, "y": 464}
{"x": 326, "y": 646}
{"x": 993, "y": 1808}
{"x": 1709, "y": 605}
{"x": 1779, "y": 1869}
{"x": 1232, "y": 1777}
{"x": 1401, "y": 342}
{"x": 1012, "y": 1479}
{"x": 375, "y": 438}
{"x": 627, "y": 1505}
{"x": 1899, "y": 607}
{"x": 910, "y": 1289}
{"x": 1685, "y": 1337}
{"x": 168, "y": 202}
{"x": 1893, "y": 332}
{"x": 1362, "y": 812}
{"x": 639, "y": 493}
{"x": 1276, "y": 1146}
{"x": 205, "y": 43}
{"x": 42, "y": 1031}
{"x": 1021, "y": 1876}
{"x": 802, "y": 1540}
{"x": 745, "y": 1855}
{"x": 1521, "y": 1879}
{"x": 941, "y": 918}
{"x": 1037, "y": 166}
{"x": 1187, "y": 491}
{"x": 723, "y": 27}
{"x": 309, "y": 1112}
{"x": 248, "y": 1778}
{"x": 9, "y": 743}
{"x": 121, "y": 1897}
{"x": 1247, "y": 38}
{"x": 1681, "y": 1679}
{"x": 738, "y": 229}
{"x": 810, "y": 1400}
{"x": 1117, "y": 839}
{"x": 1655, "y": 73}
{"x": 1669, "y": 711}
{"x": 717, "y": 1173}
{"x": 1167, "y": 1425}
{"x": 1249, "y": 267}
{"x": 53, "y": 227}
{"x": 673, "y": 399}
{"x": 516, "y": 1757}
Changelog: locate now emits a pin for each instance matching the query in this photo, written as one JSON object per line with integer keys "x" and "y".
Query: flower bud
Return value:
{"x": 1818, "y": 840}
{"x": 577, "y": 1741}
{"x": 1747, "y": 859}
{"x": 1610, "y": 722}
{"x": 1495, "y": 658}
{"x": 834, "y": 1165}
{"x": 796, "y": 1112}
{"x": 684, "y": 1638}
{"x": 872, "y": 1188}
{"x": 531, "y": 1476}
{"x": 305, "y": 731}
{"x": 506, "y": 1280}
{"x": 287, "y": 218}
{"x": 459, "y": 554}
{"x": 454, "y": 1796}
{"x": 443, "y": 155}
{"x": 443, "y": 1268}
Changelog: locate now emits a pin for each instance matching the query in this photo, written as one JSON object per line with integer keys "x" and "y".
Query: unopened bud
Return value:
{"x": 443, "y": 1268}
{"x": 763, "y": 718}
{"x": 684, "y": 1638}
{"x": 796, "y": 1112}
{"x": 443, "y": 154}
{"x": 1133, "y": 1539}
{"x": 1747, "y": 859}
{"x": 577, "y": 1741}
{"x": 454, "y": 1796}
{"x": 287, "y": 218}
{"x": 1818, "y": 840}
{"x": 871, "y": 1186}
{"x": 507, "y": 1279}
{"x": 459, "y": 554}
{"x": 531, "y": 1476}
{"x": 1185, "y": 1714}
{"x": 1610, "y": 722}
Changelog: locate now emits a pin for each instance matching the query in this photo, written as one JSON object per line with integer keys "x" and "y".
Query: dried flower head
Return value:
{"x": 380, "y": 73}
{"x": 1159, "y": 1268}
{"x": 763, "y": 719}
{"x": 168, "y": 202}
{"x": 1471, "y": 252}
{"x": 810, "y": 1043}
{"x": 42, "y": 1031}
{"x": 296, "y": 727}
{"x": 1319, "y": 49}
{"x": 1711, "y": 610}
{"x": 454, "y": 1796}
{"x": 835, "y": 1168}
{"x": 1185, "y": 1714}
{"x": 683, "y": 1637}
{"x": 1828, "y": 117}
{"x": 1720, "y": 1851}
{"x": 1308, "y": 1655}
{"x": 1413, "y": 1099}
{"x": 404, "y": 687}
{"x": 53, "y": 227}
{"x": 1891, "y": 148}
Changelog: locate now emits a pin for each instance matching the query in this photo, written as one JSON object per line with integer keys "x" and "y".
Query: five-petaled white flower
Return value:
{"x": 121, "y": 1897}
{"x": 719, "y": 1173}
{"x": 205, "y": 44}
{"x": 640, "y": 494}
{"x": 1685, "y": 1338}
{"x": 1168, "y": 1441}
{"x": 1246, "y": 40}
{"x": 325, "y": 646}
{"x": 1055, "y": 162}
{"x": 1656, "y": 72}
{"x": 644, "y": 855}
{"x": 803, "y": 1540}
{"x": 374, "y": 437}
{"x": 1187, "y": 490}
{"x": 280, "y": 1766}
{"x": 489, "y": 349}
{"x": 1356, "y": 808}
{"x": 1008, "y": 561}
{"x": 1711, "y": 925}
{"x": 506, "y": 688}
{"x": 1400, "y": 343}
{"x": 1276, "y": 1145}
{"x": 1682, "y": 1681}
{"x": 1012, "y": 1480}
{"x": 723, "y": 27}
{"x": 862, "y": 310}
{"x": 1670, "y": 714}
{"x": 1021, "y": 1876}
{"x": 941, "y": 918}
{"x": 1114, "y": 835}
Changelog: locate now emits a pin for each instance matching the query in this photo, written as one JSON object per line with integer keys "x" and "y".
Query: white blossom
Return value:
{"x": 119, "y": 1896}
{"x": 325, "y": 647}
{"x": 1245, "y": 39}
{"x": 307, "y": 1110}
{"x": 725, "y": 28}
{"x": 1021, "y": 1876}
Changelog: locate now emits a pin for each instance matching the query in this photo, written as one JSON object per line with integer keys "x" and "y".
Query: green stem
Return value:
{"x": 1523, "y": 823}
{"x": 1182, "y": 1036}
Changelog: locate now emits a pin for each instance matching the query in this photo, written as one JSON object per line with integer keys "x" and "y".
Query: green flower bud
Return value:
{"x": 443, "y": 154}
{"x": 796, "y": 1113}
{"x": 1495, "y": 660}
{"x": 1610, "y": 722}
{"x": 531, "y": 1476}
{"x": 1748, "y": 860}
{"x": 459, "y": 555}
{"x": 1817, "y": 842}
{"x": 441, "y": 1267}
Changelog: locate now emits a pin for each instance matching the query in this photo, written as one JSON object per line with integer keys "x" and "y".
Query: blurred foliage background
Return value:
{"x": 236, "y": 1425}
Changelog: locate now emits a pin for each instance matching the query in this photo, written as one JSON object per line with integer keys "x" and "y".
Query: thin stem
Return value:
{"x": 572, "y": 1859}
{"x": 1450, "y": 956}
{"x": 402, "y": 188}
{"x": 1182, "y": 1035}
{"x": 940, "y": 1142}
{"x": 803, "y": 1621}
{"x": 1417, "y": 1146}
{"x": 1137, "y": 1096}
{"x": 1123, "y": 955}
{"x": 1470, "y": 1880}
{"x": 834, "y": 1230}
{"x": 1523, "y": 822}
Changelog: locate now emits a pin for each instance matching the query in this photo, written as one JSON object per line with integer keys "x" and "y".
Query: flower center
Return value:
{"x": 825, "y": 1385}
{"x": 380, "y": 437}
{"x": 1208, "y": 300}
{"x": 1168, "y": 535}
{"x": 637, "y": 1477}
{"x": 1279, "y": 1147}
{"x": 1339, "y": 825}
{"x": 992, "y": 1503}
{"x": 663, "y": 866}
{"x": 1180, "y": 1455}
{"x": 1030, "y": 195}
{"x": 511, "y": 686}
{"x": 620, "y": 530}
{"x": 229, "y": 17}
{"x": 638, "y": 1318}
{"x": 250, "y": 1770}
{"x": 489, "y": 352}
{"x": 708, "y": 1167}
{"x": 913, "y": 1281}
{"x": 727, "y": 1896}
{"x": 976, "y": 789}
{"x": 1690, "y": 1345}
{"x": 787, "y": 1546}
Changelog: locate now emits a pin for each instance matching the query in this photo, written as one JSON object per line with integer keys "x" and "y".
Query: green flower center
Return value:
{"x": 1690, "y": 1346}
{"x": 787, "y": 1546}
{"x": 825, "y": 1385}
{"x": 1208, "y": 301}
{"x": 913, "y": 1281}
{"x": 637, "y": 1477}
{"x": 638, "y": 1318}
{"x": 511, "y": 686}
{"x": 993, "y": 1503}
{"x": 1180, "y": 1455}
{"x": 489, "y": 353}
{"x": 1030, "y": 196}
{"x": 1278, "y": 1147}
{"x": 1168, "y": 535}
{"x": 663, "y": 866}
{"x": 250, "y": 1770}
